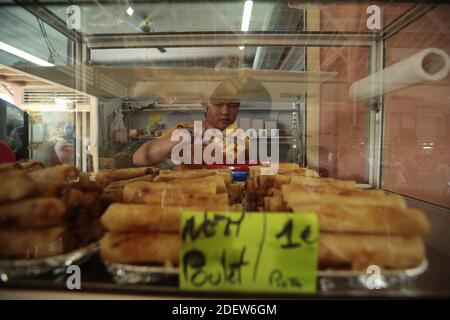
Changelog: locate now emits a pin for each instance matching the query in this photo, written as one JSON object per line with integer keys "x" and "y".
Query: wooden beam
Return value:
{"x": 19, "y": 78}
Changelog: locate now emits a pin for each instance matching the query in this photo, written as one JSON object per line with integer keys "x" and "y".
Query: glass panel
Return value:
{"x": 351, "y": 16}
{"x": 417, "y": 119}
{"x": 200, "y": 16}
{"x": 13, "y": 131}
{"x": 22, "y": 31}
{"x": 177, "y": 16}
{"x": 52, "y": 137}
{"x": 148, "y": 71}
{"x": 343, "y": 123}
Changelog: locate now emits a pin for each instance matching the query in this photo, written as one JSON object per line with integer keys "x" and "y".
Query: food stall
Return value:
{"x": 350, "y": 97}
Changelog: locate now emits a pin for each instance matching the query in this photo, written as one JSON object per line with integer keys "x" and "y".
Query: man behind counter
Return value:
{"x": 218, "y": 115}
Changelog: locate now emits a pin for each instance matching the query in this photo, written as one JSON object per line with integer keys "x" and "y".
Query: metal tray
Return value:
{"x": 57, "y": 264}
{"x": 328, "y": 280}
{"x": 125, "y": 273}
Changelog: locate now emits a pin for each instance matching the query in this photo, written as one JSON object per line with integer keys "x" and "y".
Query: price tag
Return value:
{"x": 252, "y": 251}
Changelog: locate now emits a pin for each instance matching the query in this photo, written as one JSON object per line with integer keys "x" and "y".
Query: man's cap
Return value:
{"x": 240, "y": 89}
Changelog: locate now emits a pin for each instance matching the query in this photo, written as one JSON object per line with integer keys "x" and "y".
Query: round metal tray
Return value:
{"x": 57, "y": 264}
{"x": 125, "y": 273}
{"x": 328, "y": 280}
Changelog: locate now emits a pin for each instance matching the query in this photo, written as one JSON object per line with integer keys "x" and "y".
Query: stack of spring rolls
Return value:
{"x": 48, "y": 211}
{"x": 121, "y": 177}
{"x": 273, "y": 200}
{"x": 258, "y": 187}
{"x": 359, "y": 228}
{"x": 144, "y": 229}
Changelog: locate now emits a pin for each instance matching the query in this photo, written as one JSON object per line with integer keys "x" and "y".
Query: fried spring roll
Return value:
{"x": 312, "y": 181}
{"x": 141, "y": 217}
{"x": 9, "y": 166}
{"x": 129, "y": 173}
{"x": 62, "y": 190}
{"x": 91, "y": 181}
{"x": 217, "y": 180}
{"x": 51, "y": 188}
{"x": 338, "y": 251}
{"x": 167, "y": 175}
{"x": 296, "y": 194}
{"x": 35, "y": 243}
{"x": 123, "y": 183}
{"x": 31, "y": 165}
{"x": 62, "y": 173}
{"x": 32, "y": 213}
{"x": 360, "y": 251}
{"x": 285, "y": 169}
{"x": 173, "y": 195}
{"x": 367, "y": 219}
{"x": 140, "y": 247}
{"x": 16, "y": 184}
{"x": 134, "y": 191}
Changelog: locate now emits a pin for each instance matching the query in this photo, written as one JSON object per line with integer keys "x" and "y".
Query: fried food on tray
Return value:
{"x": 168, "y": 175}
{"x": 129, "y": 173}
{"x": 174, "y": 195}
{"x": 63, "y": 173}
{"x": 16, "y": 184}
{"x": 93, "y": 181}
{"x": 367, "y": 219}
{"x": 31, "y": 165}
{"x": 65, "y": 191}
{"x": 140, "y": 247}
{"x": 344, "y": 251}
{"x": 9, "y": 166}
{"x": 123, "y": 183}
{"x": 140, "y": 189}
{"x": 32, "y": 213}
{"x": 35, "y": 243}
{"x": 142, "y": 217}
{"x": 360, "y": 251}
{"x": 298, "y": 194}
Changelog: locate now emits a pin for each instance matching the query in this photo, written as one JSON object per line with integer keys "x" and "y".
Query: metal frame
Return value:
{"x": 300, "y": 154}
{"x": 226, "y": 39}
{"x": 408, "y": 17}
{"x": 374, "y": 126}
{"x": 376, "y": 106}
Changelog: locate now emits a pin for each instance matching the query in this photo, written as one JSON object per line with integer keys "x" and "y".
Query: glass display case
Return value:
{"x": 358, "y": 91}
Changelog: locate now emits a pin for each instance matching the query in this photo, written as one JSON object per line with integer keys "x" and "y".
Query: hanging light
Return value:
{"x": 24, "y": 55}
{"x": 130, "y": 9}
{"x": 248, "y": 5}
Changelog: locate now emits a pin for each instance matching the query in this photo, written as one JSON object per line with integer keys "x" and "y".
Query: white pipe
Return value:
{"x": 431, "y": 64}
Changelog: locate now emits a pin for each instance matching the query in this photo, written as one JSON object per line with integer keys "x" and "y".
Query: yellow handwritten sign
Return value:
{"x": 270, "y": 252}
